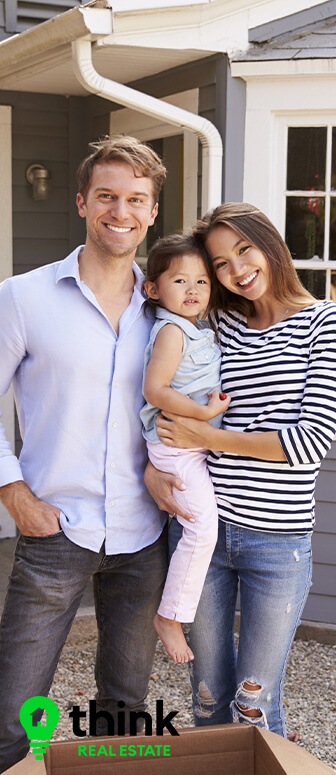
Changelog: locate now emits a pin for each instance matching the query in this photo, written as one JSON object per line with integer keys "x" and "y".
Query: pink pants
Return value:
{"x": 191, "y": 559}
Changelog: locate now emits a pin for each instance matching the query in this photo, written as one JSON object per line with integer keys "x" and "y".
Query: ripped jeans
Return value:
{"x": 274, "y": 573}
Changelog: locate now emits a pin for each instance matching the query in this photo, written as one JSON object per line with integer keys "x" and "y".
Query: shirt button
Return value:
{"x": 112, "y": 465}
{"x": 114, "y": 425}
{"x": 213, "y": 344}
{"x": 111, "y": 503}
{"x": 116, "y": 384}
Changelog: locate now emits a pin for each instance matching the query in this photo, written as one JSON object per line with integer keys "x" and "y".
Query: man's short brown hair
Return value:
{"x": 122, "y": 148}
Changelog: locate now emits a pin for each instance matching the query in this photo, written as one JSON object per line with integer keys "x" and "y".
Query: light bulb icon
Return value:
{"x": 37, "y": 731}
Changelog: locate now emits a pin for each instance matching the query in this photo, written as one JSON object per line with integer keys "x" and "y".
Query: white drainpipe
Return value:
{"x": 212, "y": 147}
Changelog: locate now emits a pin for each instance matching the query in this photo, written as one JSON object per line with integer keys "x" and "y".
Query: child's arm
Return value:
{"x": 166, "y": 356}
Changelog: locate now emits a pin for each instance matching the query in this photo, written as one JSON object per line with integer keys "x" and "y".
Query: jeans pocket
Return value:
{"x": 43, "y": 538}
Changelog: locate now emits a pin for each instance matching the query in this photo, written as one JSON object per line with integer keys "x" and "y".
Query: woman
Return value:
{"x": 278, "y": 365}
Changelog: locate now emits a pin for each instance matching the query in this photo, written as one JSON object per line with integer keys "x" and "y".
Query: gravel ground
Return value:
{"x": 309, "y": 696}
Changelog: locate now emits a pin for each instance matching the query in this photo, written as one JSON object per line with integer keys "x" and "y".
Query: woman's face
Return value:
{"x": 239, "y": 265}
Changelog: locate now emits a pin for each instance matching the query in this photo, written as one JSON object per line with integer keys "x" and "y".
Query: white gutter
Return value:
{"x": 212, "y": 147}
{"x": 94, "y": 20}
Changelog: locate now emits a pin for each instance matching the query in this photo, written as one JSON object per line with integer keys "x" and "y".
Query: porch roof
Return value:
{"x": 40, "y": 59}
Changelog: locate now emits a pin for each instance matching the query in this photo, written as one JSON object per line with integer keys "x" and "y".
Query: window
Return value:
{"x": 310, "y": 221}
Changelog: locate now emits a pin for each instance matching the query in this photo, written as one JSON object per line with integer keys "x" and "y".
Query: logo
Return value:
{"x": 39, "y": 732}
{"x": 39, "y": 716}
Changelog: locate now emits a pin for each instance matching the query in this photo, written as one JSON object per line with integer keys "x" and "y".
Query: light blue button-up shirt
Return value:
{"x": 77, "y": 389}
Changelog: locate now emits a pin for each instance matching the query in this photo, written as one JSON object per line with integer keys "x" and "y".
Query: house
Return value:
{"x": 239, "y": 96}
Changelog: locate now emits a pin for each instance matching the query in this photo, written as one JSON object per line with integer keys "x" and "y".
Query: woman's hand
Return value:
{"x": 184, "y": 432}
{"x": 160, "y": 486}
{"x": 187, "y": 432}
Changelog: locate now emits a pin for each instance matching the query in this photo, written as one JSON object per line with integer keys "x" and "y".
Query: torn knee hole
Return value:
{"x": 251, "y": 686}
{"x": 249, "y": 691}
{"x": 205, "y": 702}
{"x": 247, "y": 711}
{"x": 204, "y": 695}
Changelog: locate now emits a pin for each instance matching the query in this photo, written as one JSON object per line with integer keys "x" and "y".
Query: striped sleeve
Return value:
{"x": 309, "y": 440}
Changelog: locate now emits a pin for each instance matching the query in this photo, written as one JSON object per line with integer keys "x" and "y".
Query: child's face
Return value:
{"x": 184, "y": 288}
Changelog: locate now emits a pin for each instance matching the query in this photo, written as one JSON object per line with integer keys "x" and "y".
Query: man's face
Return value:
{"x": 118, "y": 210}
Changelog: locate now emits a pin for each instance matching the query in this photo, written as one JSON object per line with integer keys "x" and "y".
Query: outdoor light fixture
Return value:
{"x": 39, "y": 177}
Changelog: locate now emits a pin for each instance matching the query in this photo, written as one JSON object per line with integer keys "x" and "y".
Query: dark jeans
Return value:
{"x": 47, "y": 582}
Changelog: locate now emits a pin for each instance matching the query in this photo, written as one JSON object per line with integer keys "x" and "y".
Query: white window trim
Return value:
{"x": 282, "y": 121}
{"x": 7, "y": 525}
{"x": 147, "y": 128}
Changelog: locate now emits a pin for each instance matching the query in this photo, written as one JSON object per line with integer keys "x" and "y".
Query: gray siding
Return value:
{"x": 321, "y": 604}
{"x": 18, "y": 15}
{"x": 40, "y": 134}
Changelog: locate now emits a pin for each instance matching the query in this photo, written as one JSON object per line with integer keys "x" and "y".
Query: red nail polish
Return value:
{"x": 222, "y": 396}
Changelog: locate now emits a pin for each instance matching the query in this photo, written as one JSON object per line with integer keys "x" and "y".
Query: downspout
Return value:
{"x": 212, "y": 147}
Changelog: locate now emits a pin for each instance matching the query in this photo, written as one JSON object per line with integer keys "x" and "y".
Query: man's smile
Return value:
{"x": 119, "y": 229}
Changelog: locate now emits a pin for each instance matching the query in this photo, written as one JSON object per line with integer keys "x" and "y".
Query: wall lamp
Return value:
{"x": 39, "y": 177}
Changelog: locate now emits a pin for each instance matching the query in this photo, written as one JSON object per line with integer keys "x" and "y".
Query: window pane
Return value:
{"x": 314, "y": 281}
{"x": 305, "y": 227}
{"x": 333, "y": 159}
{"x": 306, "y": 158}
{"x": 332, "y": 248}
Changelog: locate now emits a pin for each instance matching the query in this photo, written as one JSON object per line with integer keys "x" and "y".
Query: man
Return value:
{"x": 72, "y": 338}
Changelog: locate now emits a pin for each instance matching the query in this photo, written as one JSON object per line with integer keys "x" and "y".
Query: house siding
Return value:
{"x": 40, "y": 134}
{"x": 321, "y": 604}
{"x": 19, "y": 15}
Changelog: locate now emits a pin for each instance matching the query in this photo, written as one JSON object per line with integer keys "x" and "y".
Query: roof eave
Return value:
{"x": 93, "y": 20}
{"x": 282, "y": 68}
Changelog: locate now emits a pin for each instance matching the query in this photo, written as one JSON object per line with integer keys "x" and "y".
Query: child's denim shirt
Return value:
{"x": 198, "y": 372}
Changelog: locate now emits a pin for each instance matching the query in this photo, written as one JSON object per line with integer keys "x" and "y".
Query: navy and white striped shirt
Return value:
{"x": 282, "y": 378}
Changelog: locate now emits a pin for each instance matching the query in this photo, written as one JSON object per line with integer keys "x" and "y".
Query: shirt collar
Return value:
{"x": 69, "y": 268}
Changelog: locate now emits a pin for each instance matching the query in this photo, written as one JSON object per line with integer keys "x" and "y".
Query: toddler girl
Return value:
{"x": 182, "y": 375}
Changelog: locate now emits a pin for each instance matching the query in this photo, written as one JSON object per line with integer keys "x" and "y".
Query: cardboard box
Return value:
{"x": 234, "y": 749}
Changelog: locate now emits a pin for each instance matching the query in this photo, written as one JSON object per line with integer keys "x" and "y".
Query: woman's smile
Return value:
{"x": 248, "y": 280}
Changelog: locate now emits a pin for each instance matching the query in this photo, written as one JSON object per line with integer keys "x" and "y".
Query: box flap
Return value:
{"x": 292, "y": 759}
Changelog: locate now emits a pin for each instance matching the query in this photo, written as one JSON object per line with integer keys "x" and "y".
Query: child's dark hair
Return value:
{"x": 167, "y": 249}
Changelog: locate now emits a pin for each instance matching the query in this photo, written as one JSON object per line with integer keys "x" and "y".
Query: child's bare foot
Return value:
{"x": 294, "y": 736}
{"x": 171, "y": 634}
